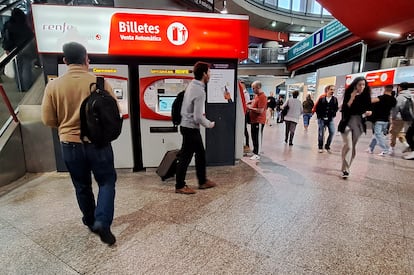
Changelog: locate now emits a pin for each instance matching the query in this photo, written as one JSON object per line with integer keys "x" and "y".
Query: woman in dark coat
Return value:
{"x": 355, "y": 108}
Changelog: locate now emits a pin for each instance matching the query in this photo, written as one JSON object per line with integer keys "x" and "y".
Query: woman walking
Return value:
{"x": 355, "y": 108}
{"x": 292, "y": 116}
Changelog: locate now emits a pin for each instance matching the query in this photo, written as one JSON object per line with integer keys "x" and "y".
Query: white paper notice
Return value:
{"x": 220, "y": 88}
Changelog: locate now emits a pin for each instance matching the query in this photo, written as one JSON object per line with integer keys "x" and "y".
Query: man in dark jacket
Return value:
{"x": 326, "y": 108}
{"x": 17, "y": 33}
{"x": 380, "y": 117}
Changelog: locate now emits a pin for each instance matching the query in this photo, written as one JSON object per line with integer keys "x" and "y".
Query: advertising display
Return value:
{"x": 141, "y": 32}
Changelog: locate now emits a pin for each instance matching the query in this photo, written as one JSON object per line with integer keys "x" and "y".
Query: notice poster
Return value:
{"x": 220, "y": 88}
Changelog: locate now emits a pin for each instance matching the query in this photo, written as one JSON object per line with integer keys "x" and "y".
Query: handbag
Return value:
{"x": 285, "y": 110}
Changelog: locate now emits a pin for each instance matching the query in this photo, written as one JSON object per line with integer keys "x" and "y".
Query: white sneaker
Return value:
{"x": 255, "y": 157}
{"x": 409, "y": 156}
{"x": 383, "y": 154}
{"x": 391, "y": 151}
{"x": 369, "y": 151}
{"x": 320, "y": 151}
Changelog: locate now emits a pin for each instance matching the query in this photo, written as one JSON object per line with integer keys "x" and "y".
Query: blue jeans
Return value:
{"x": 81, "y": 160}
{"x": 306, "y": 118}
{"x": 380, "y": 128}
{"x": 321, "y": 131}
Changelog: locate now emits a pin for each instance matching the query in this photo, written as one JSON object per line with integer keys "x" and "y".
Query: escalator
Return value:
{"x": 19, "y": 106}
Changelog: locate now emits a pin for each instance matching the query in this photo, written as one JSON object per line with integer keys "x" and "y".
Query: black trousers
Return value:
{"x": 255, "y": 136}
{"x": 192, "y": 144}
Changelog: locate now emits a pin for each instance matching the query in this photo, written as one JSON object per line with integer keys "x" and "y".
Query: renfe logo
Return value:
{"x": 177, "y": 33}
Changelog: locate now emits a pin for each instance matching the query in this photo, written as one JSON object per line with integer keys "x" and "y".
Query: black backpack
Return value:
{"x": 176, "y": 108}
{"x": 406, "y": 110}
{"x": 101, "y": 121}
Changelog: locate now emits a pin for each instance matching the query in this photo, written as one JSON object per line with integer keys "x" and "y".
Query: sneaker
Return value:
{"x": 383, "y": 154}
{"x": 208, "y": 184}
{"x": 290, "y": 144}
{"x": 369, "y": 151}
{"x": 409, "y": 156}
{"x": 391, "y": 151}
{"x": 185, "y": 190}
{"x": 320, "y": 151}
{"x": 255, "y": 157}
{"x": 106, "y": 235}
{"x": 345, "y": 174}
{"x": 406, "y": 150}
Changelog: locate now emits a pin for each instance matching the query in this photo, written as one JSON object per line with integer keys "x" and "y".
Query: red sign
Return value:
{"x": 374, "y": 78}
{"x": 178, "y": 36}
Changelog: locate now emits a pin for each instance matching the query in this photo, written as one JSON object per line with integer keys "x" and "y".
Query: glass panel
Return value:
{"x": 270, "y": 2}
{"x": 325, "y": 12}
{"x": 315, "y": 7}
{"x": 284, "y": 4}
{"x": 299, "y": 5}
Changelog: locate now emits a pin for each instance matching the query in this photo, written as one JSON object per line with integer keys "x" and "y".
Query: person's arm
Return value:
{"x": 199, "y": 116}
{"x": 48, "y": 109}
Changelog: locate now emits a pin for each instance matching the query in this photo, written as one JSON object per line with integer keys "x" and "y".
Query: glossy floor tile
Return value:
{"x": 289, "y": 213}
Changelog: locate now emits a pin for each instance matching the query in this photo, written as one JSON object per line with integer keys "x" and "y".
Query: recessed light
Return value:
{"x": 273, "y": 24}
{"x": 390, "y": 34}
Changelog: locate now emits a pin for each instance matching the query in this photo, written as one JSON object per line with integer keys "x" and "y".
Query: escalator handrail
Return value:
{"x": 3, "y": 63}
{"x": 9, "y": 6}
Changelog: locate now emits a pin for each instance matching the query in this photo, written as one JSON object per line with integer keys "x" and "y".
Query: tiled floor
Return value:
{"x": 290, "y": 213}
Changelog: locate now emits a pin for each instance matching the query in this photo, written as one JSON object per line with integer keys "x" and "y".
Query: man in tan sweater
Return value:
{"x": 60, "y": 109}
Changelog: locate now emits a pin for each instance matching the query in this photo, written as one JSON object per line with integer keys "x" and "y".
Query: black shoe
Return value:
{"x": 89, "y": 223}
{"x": 106, "y": 235}
{"x": 290, "y": 144}
{"x": 345, "y": 174}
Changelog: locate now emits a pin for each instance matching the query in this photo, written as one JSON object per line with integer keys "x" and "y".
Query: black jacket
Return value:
{"x": 326, "y": 110}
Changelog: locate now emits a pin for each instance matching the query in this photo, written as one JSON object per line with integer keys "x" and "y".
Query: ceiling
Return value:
{"x": 262, "y": 17}
{"x": 362, "y": 17}
{"x": 365, "y": 17}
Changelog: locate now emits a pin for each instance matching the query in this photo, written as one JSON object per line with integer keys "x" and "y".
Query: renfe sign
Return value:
{"x": 141, "y": 32}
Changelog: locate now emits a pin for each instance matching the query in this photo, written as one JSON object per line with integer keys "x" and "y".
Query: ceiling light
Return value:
{"x": 390, "y": 34}
{"x": 224, "y": 10}
{"x": 302, "y": 29}
{"x": 274, "y": 23}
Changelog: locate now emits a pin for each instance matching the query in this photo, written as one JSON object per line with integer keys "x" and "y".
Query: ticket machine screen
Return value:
{"x": 165, "y": 103}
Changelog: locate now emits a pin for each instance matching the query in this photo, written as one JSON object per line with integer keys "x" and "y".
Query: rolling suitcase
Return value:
{"x": 168, "y": 165}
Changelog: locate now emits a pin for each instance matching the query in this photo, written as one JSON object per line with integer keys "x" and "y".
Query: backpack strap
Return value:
{"x": 84, "y": 128}
{"x": 100, "y": 83}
